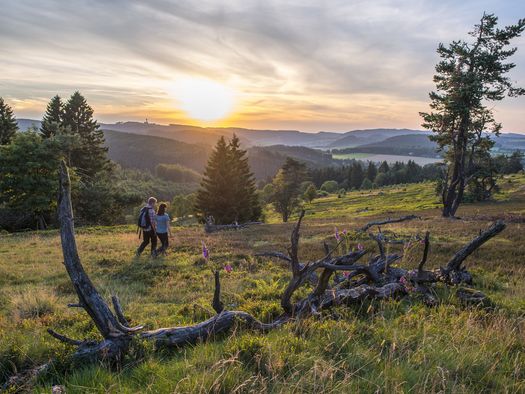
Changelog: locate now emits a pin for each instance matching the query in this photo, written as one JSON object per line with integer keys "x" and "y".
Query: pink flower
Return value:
{"x": 205, "y": 252}
{"x": 346, "y": 274}
{"x": 336, "y": 234}
{"x": 228, "y": 268}
{"x": 344, "y": 232}
{"x": 360, "y": 246}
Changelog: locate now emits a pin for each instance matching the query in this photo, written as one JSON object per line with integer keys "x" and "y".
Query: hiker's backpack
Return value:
{"x": 144, "y": 220}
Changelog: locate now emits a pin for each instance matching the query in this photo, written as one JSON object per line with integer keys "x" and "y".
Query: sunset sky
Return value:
{"x": 306, "y": 65}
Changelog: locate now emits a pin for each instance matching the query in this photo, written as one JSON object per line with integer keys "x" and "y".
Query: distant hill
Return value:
{"x": 370, "y": 136}
{"x": 406, "y": 145}
{"x": 145, "y": 152}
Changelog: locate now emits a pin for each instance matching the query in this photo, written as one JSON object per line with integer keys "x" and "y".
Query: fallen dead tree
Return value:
{"x": 376, "y": 279}
{"x": 211, "y": 227}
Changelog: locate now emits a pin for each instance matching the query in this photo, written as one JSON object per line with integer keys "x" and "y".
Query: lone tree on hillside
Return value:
{"x": 8, "y": 124}
{"x": 469, "y": 75}
{"x": 287, "y": 187}
{"x": 53, "y": 118}
{"x": 227, "y": 191}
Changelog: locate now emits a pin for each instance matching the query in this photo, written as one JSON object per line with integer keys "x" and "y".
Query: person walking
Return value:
{"x": 163, "y": 229}
{"x": 147, "y": 223}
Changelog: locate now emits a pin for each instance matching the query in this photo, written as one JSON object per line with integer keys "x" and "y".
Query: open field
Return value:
{"x": 393, "y": 346}
{"x": 388, "y": 158}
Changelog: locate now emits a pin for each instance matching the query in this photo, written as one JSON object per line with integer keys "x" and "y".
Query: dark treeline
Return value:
{"x": 360, "y": 175}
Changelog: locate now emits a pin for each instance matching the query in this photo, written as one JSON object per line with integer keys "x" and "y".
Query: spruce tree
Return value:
{"x": 53, "y": 118}
{"x": 215, "y": 195}
{"x": 245, "y": 200}
{"x": 384, "y": 167}
{"x": 371, "y": 171}
{"x": 8, "y": 124}
{"x": 91, "y": 156}
{"x": 357, "y": 175}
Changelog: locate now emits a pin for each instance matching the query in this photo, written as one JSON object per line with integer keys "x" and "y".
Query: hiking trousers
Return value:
{"x": 149, "y": 237}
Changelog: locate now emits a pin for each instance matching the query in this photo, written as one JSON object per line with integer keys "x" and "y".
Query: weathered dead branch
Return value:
{"x": 211, "y": 227}
{"x": 388, "y": 221}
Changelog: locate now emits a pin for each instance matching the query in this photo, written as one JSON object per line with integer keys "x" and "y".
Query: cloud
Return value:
{"x": 316, "y": 64}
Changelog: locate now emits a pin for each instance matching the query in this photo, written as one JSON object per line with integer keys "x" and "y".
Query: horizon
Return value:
{"x": 266, "y": 66}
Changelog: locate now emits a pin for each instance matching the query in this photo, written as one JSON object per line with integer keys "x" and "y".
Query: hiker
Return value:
{"x": 163, "y": 229}
{"x": 147, "y": 224}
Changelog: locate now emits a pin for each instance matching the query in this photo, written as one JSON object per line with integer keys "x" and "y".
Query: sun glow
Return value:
{"x": 203, "y": 99}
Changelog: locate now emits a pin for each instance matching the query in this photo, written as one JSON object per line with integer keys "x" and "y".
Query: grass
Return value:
{"x": 392, "y": 346}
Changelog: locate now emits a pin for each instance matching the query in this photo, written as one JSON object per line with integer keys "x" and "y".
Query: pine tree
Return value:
{"x": 371, "y": 171}
{"x": 8, "y": 124}
{"x": 215, "y": 195}
{"x": 91, "y": 156}
{"x": 245, "y": 199}
{"x": 53, "y": 118}
{"x": 469, "y": 75}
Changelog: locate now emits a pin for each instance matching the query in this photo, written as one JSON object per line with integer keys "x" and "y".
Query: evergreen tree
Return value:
{"x": 383, "y": 168}
{"x": 245, "y": 200}
{"x": 8, "y": 124}
{"x": 469, "y": 75}
{"x": 357, "y": 176}
{"x": 371, "y": 171}
{"x": 52, "y": 121}
{"x": 90, "y": 158}
{"x": 287, "y": 187}
{"x": 215, "y": 194}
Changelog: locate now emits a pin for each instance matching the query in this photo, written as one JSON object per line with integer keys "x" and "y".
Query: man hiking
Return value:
{"x": 147, "y": 223}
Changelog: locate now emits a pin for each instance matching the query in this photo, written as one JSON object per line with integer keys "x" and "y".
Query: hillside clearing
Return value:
{"x": 393, "y": 346}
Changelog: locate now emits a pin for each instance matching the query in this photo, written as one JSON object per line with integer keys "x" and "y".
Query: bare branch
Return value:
{"x": 64, "y": 339}
{"x": 388, "y": 221}
{"x": 277, "y": 255}
{"x": 425, "y": 253}
{"x": 217, "y": 305}
{"x": 118, "y": 311}
{"x": 455, "y": 263}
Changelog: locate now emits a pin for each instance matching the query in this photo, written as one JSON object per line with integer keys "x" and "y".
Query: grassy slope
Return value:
{"x": 395, "y": 346}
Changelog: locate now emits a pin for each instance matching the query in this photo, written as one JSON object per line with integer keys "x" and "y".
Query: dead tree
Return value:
{"x": 113, "y": 327}
{"x": 377, "y": 279}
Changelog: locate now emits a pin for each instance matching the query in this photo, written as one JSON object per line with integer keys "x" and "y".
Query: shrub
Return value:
{"x": 330, "y": 186}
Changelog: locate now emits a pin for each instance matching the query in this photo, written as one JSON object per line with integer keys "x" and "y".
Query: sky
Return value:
{"x": 302, "y": 65}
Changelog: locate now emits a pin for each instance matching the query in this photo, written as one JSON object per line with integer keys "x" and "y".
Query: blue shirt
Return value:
{"x": 162, "y": 223}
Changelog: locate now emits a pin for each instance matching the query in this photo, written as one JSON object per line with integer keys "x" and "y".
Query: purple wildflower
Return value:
{"x": 360, "y": 246}
{"x": 205, "y": 252}
{"x": 346, "y": 274}
{"x": 228, "y": 268}
{"x": 336, "y": 234}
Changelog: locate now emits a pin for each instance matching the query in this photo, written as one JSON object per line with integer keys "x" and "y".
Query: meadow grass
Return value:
{"x": 391, "y": 346}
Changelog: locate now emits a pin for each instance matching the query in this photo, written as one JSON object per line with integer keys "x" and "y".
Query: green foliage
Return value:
{"x": 228, "y": 191}
{"x": 286, "y": 186}
{"x": 8, "y": 125}
{"x": 177, "y": 173}
{"x": 183, "y": 205}
{"x": 53, "y": 118}
{"x": 310, "y": 193}
{"x": 90, "y": 156}
{"x": 469, "y": 75}
{"x": 330, "y": 186}
{"x": 28, "y": 180}
{"x": 367, "y": 184}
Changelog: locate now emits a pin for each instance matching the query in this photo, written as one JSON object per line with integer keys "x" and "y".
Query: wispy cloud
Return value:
{"x": 331, "y": 65}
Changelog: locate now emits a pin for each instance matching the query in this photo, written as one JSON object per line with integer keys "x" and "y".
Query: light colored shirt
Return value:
{"x": 162, "y": 223}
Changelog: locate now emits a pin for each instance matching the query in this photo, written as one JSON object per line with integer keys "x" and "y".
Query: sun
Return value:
{"x": 203, "y": 99}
